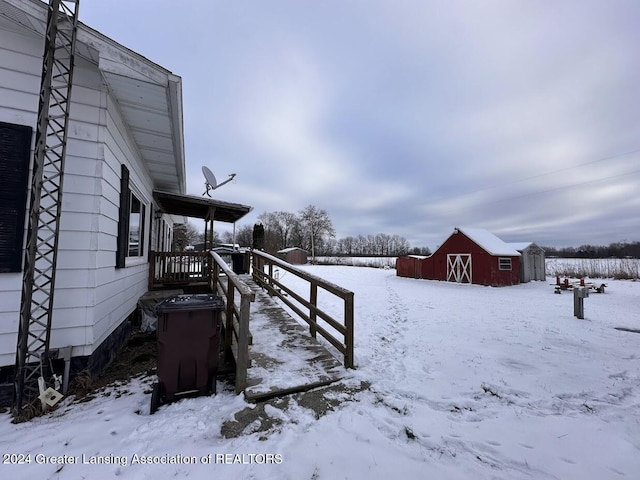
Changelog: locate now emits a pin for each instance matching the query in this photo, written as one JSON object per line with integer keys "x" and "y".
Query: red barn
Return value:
{"x": 469, "y": 255}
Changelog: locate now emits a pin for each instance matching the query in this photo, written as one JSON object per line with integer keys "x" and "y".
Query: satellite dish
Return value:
{"x": 210, "y": 180}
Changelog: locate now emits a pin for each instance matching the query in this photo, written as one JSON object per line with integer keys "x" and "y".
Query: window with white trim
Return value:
{"x": 504, "y": 263}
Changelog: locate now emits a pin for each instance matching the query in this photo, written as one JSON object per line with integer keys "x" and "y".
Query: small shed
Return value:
{"x": 410, "y": 266}
{"x": 532, "y": 261}
{"x": 294, "y": 255}
{"x": 468, "y": 255}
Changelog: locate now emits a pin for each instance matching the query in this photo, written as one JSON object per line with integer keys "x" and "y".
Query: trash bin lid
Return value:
{"x": 200, "y": 301}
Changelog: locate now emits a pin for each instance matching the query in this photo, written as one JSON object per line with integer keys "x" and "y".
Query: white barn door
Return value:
{"x": 459, "y": 267}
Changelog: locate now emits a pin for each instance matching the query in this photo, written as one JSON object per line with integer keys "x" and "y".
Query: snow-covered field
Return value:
{"x": 626, "y": 268}
{"x": 467, "y": 382}
{"x": 594, "y": 267}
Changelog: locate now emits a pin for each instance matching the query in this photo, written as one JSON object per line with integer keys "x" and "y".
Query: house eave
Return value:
{"x": 149, "y": 96}
{"x": 200, "y": 207}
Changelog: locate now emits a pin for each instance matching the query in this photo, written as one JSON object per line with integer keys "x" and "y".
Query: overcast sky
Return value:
{"x": 408, "y": 117}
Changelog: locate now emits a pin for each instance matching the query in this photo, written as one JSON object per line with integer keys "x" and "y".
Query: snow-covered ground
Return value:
{"x": 467, "y": 382}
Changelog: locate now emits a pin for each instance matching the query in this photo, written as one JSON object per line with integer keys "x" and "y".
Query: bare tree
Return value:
{"x": 316, "y": 224}
{"x": 312, "y": 229}
{"x": 244, "y": 235}
{"x": 285, "y": 223}
{"x": 271, "y": 240}
{"x": 227, "y": 237}
{"x": 184, "y": 234}
{"x": 345, "y": 245}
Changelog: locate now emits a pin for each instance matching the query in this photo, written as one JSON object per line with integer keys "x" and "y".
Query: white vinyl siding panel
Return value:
{"x": 120, "y": 301}
{"x": 118, "y": 290}
{"x": 79, "y": 221}
{"x": 20, "y": 65}
{"x": 87, "y": 227}
{"x": 20, "y": 69}
{"x": 92, "y": 297}
{"x": 9, "y": 303}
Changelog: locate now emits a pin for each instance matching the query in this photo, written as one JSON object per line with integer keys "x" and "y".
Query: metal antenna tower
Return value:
{"x": 45, "y": 204}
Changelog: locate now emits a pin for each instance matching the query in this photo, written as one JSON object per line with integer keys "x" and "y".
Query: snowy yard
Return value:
{"x": 466, "y": 382}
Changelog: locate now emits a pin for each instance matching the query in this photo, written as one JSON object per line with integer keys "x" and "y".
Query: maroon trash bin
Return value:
{"x": 188, "y": 333}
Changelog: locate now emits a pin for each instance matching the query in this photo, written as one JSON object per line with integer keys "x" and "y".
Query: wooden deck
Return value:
{"x": 273, "y": 353}
{"x": 284, "y": 357}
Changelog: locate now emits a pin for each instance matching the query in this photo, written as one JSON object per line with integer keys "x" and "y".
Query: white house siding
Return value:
{"x": 118, "y": 290}
{"x": 92, "y": 297}
{"x": 20, "y": 67}
{"x": 9, "y": 312}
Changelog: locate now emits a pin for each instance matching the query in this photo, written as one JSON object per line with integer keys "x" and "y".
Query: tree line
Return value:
{"x": 613, "y": 250}
{"x": 312, "y": 229}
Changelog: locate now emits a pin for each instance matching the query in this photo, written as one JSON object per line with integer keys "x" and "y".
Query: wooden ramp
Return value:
{"x": 284, "y": 357}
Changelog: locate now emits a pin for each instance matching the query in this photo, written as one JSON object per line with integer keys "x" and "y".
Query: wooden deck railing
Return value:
{"x": 177, "y": 268}
{"x": 237, "y": 298}
{"x": 307, "y": 309}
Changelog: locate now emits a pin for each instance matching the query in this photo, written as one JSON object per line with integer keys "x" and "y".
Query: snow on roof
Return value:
{"x": 520, "y": 245}
{"x": 489, "y": 242}
{"x": 291, "y": 249}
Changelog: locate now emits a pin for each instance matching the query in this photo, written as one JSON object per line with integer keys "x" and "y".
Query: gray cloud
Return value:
{"x": 409, "y": 117}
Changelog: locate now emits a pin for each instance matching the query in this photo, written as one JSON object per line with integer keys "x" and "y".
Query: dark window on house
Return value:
{"x": 123, "y": 218}
{"x": 15, "y": 150}
{"x": 131, "y": 222}
{"x": 504, "y": 263}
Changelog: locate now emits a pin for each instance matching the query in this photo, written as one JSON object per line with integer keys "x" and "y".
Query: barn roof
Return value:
{"x": 489, "y": 242}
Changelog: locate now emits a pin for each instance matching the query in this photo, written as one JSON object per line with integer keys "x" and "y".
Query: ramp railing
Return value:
{"x": 237, "y": 298}
{"x": 265, "y": 268}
